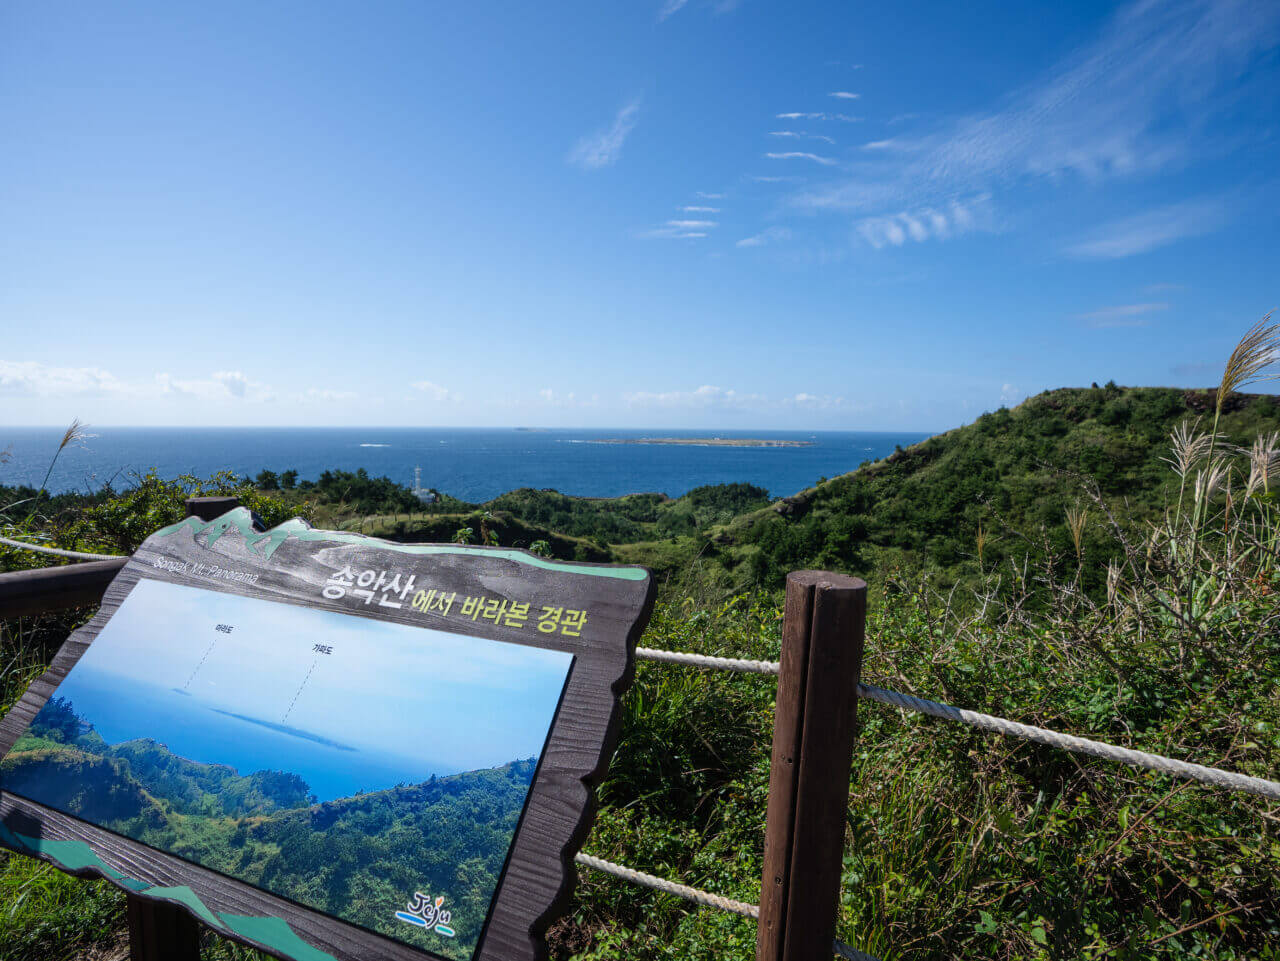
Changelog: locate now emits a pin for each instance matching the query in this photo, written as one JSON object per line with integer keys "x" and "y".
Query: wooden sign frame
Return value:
{"x": 292, "y": 564}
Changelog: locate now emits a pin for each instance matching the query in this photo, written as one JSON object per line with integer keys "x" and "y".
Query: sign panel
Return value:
{"x": 399, "y": 766}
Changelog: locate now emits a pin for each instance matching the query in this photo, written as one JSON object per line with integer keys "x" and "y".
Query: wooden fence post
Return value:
{"x": 814, "y": 725}
{"x": 159, "y": 931}
{"x": 207, "y": 508}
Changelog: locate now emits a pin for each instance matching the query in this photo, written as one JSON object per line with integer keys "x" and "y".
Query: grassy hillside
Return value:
{"x": 1109, "y": 581}
{"x": 1014, "y": 472}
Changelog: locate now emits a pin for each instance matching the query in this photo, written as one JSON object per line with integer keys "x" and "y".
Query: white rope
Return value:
{"x": 1211, "y": 775}
{"x": 699, "y": 897}
{"x": 701, "y": 660}
{"x": 987, "y": 722}
{"x": 58, "y": 552}
{"x": 669, "y": 887}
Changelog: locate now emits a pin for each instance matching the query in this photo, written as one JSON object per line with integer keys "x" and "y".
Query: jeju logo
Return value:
{"x": 426, "y": 913}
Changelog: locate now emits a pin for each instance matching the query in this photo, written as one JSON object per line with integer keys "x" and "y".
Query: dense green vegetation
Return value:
{"x": 356, "y": 858}
{"x": 1096, "y": 561}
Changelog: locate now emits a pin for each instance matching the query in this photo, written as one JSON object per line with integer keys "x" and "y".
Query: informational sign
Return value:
{"x": 327, "y": 745}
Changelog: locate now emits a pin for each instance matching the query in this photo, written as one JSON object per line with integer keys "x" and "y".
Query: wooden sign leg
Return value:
{"x": 814, "y": 725}
{"x": 161, "y": 932}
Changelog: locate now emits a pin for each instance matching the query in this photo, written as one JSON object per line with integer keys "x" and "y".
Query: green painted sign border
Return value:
{"x": 273, "y": 933}
{"x": 266, "y": 543}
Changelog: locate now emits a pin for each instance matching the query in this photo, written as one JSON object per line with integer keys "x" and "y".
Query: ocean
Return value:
{"x": 474, "y": 464}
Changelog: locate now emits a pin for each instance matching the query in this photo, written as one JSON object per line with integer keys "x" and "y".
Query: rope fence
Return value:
{"x": 669, "y": 887}
{"x": 59, "y": 552}
{"x": 698, "y": 896}
{"x": 988, "y": 722}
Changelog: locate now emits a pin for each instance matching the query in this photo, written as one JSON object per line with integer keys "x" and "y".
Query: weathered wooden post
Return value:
{"x": 207, "y": 508}
{"x": 161, "y": 932}
{"x": 158, "y": 931}
{"x": 814, "y": 726}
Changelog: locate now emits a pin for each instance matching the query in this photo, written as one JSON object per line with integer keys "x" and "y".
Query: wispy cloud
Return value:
{"x": 760, "y": 179}
{"x": 765, "y": 236}
{"x": 1122, "y": 315}
{"x": 234, "y": 381}
{"x": 801, "y": 135}
{"x": 33, "y": 377}
{"x": 326, "y": 395}
{"x": 554, "y": 398}
{"x": 436, "y": 392}
{"x": 1134, "y": 101}
{"x": 844, "y": 95}
{"x": 801, "y": 155}
{"x": 706, "y": 196}
{"x": 928, "y": 223}
{"x": 679, "y": 230}
{"x": 807, "y": 401}
{"x": 798, "y": 115}
{"x": 703, "y": 397}
{"x": 1147, "y": 231}
{"x": 221, "y": 385}
{"x": 602, "y": 149}
{"x": 670, "y": 7}
{"x": 700, "y": 210}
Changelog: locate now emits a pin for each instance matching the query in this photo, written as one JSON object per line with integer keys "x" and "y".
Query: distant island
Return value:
{"x": 706, "y": 441}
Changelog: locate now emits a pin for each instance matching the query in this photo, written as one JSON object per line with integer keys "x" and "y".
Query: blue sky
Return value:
{"x": 655, "y": 213}
{"x": 402, "y": 702}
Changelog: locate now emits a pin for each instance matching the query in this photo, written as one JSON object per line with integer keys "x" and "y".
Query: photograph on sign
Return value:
{"x": 369, "y": 770}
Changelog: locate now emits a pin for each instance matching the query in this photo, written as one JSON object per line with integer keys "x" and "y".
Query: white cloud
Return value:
{"x": 776, "y": 180}
{"x": 234, "y": 381}
{"x": 928, "y": 223}
{"x": 670, "y": 7}
{"x": 813, "y": 401}
{"x": 436, "y": 392}
{"x": 220, "y": 386}
{"x": 800, "y": 155}
{"x": 704, "y": 396}
{"x": 1010, "y": 394}
{"x": 32, "y": 377}
{"x": 802, "y": 135}
{"x": 801, "y": 116}
{"x": 701, "y": 210}
{"x": 844, "y": 95}
{"x": 554, "y": 398}
{"x": 1122, "y": 315}
{"x": 679, "y": 230}
{"x": 1149, "y": 230}
{"x": 765, "y": 236}
{"x": 707, "y": 196}
{"x": 603, "y": 148}
{"x": 1133, "y": 101}
{"x": 326, "y": 395}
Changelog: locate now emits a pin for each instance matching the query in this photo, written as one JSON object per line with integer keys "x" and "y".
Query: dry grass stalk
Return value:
{"x": 1264, "y": 463}
{"x": 1076, "y": 518}
{"x": 1258, "y": 350}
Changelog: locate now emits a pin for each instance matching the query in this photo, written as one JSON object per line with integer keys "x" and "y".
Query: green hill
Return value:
{"x": 1013, "y": 474}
